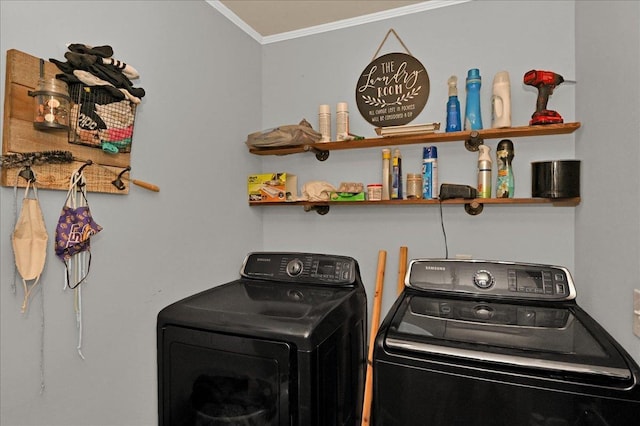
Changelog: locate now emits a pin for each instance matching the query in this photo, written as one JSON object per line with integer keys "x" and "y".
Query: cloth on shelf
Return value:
{"x": 317, "y": 191}
{"x": 288, "y": 135}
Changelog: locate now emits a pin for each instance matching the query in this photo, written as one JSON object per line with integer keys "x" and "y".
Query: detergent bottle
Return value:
{"x": 472, "y": 115}
{"x": 501, "y": 101}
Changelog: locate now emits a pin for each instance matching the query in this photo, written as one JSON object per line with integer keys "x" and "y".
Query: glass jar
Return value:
{"x": 374, "y": 192}
{"x": 51, "y": 105}
{"x": 414, "y": 186}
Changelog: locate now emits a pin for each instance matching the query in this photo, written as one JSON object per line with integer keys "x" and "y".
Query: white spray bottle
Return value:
{"x": 484, "y": 172}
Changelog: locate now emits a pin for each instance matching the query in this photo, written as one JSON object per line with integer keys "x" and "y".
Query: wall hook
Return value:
{"x": 27, "y": 173}
{"x": 118, "y": 181}
{"x": 86, "y": 163}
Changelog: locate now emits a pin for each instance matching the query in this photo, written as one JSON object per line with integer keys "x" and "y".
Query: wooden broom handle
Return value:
{"x": 375, "y": 322}
{"x": 402, "y": 268}
{"x": 145, "y": 185}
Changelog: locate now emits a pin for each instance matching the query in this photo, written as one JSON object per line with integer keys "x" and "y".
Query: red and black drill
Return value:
{"x": 545, "y": 82}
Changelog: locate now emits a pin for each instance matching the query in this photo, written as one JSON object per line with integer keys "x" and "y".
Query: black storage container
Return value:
{"x": 555, "y": 179}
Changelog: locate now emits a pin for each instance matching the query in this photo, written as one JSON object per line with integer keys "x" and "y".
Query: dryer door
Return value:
{"x": 208, "y": 378}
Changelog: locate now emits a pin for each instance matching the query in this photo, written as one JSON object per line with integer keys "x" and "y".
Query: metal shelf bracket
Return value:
{"x": 321, "y": 210}
{"x": 474, "y": 141}
{"x": 474, "y": 208}
{"x": 321, "y": 155}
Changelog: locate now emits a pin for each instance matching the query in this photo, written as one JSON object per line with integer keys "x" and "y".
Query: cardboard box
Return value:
{"x": 270, "y": 187}
{"x": 347, "y": 196}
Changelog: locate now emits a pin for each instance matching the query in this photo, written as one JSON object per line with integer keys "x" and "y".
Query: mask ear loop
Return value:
{"x": 28, "y": 174}
{"x": 77, "y": 184}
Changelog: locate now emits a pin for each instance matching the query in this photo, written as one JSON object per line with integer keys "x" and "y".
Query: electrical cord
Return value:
{"x": 444, "y": 233}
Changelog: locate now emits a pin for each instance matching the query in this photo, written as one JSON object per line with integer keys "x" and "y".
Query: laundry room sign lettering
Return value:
{"x": 392, "y": 90}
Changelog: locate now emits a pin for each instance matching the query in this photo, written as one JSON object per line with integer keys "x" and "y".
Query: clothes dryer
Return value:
{"x": 281, "y": 345}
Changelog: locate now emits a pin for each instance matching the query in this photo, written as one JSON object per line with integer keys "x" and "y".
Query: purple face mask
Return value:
{"x": 74, "y": 230}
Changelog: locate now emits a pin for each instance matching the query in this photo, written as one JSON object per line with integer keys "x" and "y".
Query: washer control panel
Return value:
{"x": 309, "y": 268}
{"x": 491, "y": 278}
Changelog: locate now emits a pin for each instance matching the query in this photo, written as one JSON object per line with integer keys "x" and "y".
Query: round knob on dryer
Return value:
{"x": 294, "y": 267}
{"x": 483, "y": 279}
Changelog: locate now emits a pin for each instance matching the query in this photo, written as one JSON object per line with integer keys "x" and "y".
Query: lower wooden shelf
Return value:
{"x": 473, "y": 206}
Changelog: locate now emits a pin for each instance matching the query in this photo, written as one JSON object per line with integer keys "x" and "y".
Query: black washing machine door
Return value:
{"x": 556, "y": 339}
{"x": 464, "y": 362}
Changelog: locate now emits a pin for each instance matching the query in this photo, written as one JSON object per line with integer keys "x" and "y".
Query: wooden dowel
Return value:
{"x": 402, "y": 268}
{"x": 375, "y": 322}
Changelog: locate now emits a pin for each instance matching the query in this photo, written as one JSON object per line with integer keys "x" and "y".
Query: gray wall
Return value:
{"x": 608, "y": 219}
{"x": 202, "y": 77}
{"x": 300, "y": 74}
{"x": 209, "y": 85}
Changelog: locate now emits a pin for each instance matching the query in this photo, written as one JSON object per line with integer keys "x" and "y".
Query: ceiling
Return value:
{"x": 271, "y": 17}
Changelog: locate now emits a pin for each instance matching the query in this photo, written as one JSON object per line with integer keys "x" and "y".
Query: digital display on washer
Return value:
{"x": 326, "y": 267}
{"x": 529, "y": 279}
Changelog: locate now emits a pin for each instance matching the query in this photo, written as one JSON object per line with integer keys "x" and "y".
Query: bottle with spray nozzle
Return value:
{"x": 484, "y": 172}
{"x": 453, "y": 106}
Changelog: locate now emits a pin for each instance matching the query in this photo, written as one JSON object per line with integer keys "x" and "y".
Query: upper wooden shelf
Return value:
{"x": 467, "y": 136}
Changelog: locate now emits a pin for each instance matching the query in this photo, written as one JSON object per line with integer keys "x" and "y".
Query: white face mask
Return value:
{"x": 29, "y": 241}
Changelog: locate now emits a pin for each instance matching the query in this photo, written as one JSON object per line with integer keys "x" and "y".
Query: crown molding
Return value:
{"x": 332, "y": 26}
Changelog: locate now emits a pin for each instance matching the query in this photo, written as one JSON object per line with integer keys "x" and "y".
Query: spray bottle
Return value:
{"x": 453, "y": 106}
{"x": 472, "y": 116}
{"x": 504, "y": 182}
{"x": 484, "y": 172}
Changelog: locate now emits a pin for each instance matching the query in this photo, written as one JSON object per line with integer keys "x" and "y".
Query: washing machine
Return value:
{"x": 284, "y": 344}
{"x": 490, "y": 343}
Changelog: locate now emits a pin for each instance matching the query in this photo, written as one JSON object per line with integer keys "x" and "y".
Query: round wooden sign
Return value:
{"x": 392, "y": 90}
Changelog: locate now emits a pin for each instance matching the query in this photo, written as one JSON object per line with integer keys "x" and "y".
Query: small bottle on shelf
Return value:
{"x": 324, "y": 122}
{"x": 342, "y": 122}
{"x": 386, "y": 174}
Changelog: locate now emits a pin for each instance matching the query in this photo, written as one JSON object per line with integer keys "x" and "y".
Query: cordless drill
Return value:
{"x": 545, "y": 82}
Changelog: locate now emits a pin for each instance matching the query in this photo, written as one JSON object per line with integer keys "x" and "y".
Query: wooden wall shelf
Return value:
{"x": 473, "y": 206}
{"x": 511, "y": 132}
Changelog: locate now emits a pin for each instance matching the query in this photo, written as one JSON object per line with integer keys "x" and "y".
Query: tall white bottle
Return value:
{"x": 342, "y": 121}
{"x": 324, "y": 122}
{"x": 386, "y": 174}
{"x": 501, "y": 101}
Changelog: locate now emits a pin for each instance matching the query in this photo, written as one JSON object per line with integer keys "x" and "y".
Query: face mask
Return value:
{"x": 29, "y": 240}
{"x": 75, "y": 228}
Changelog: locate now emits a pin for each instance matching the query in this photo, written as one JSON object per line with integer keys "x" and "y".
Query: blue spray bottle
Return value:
{"x": 472, "y": 116}
{"x": 453, "y": 106}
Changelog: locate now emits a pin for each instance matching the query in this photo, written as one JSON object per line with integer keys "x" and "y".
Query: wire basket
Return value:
{"x": 100, "y": 119}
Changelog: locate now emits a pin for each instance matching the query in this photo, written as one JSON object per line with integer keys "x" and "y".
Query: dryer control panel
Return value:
{"x": 491, "y": 278}
{"x": 303, "y": 268}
